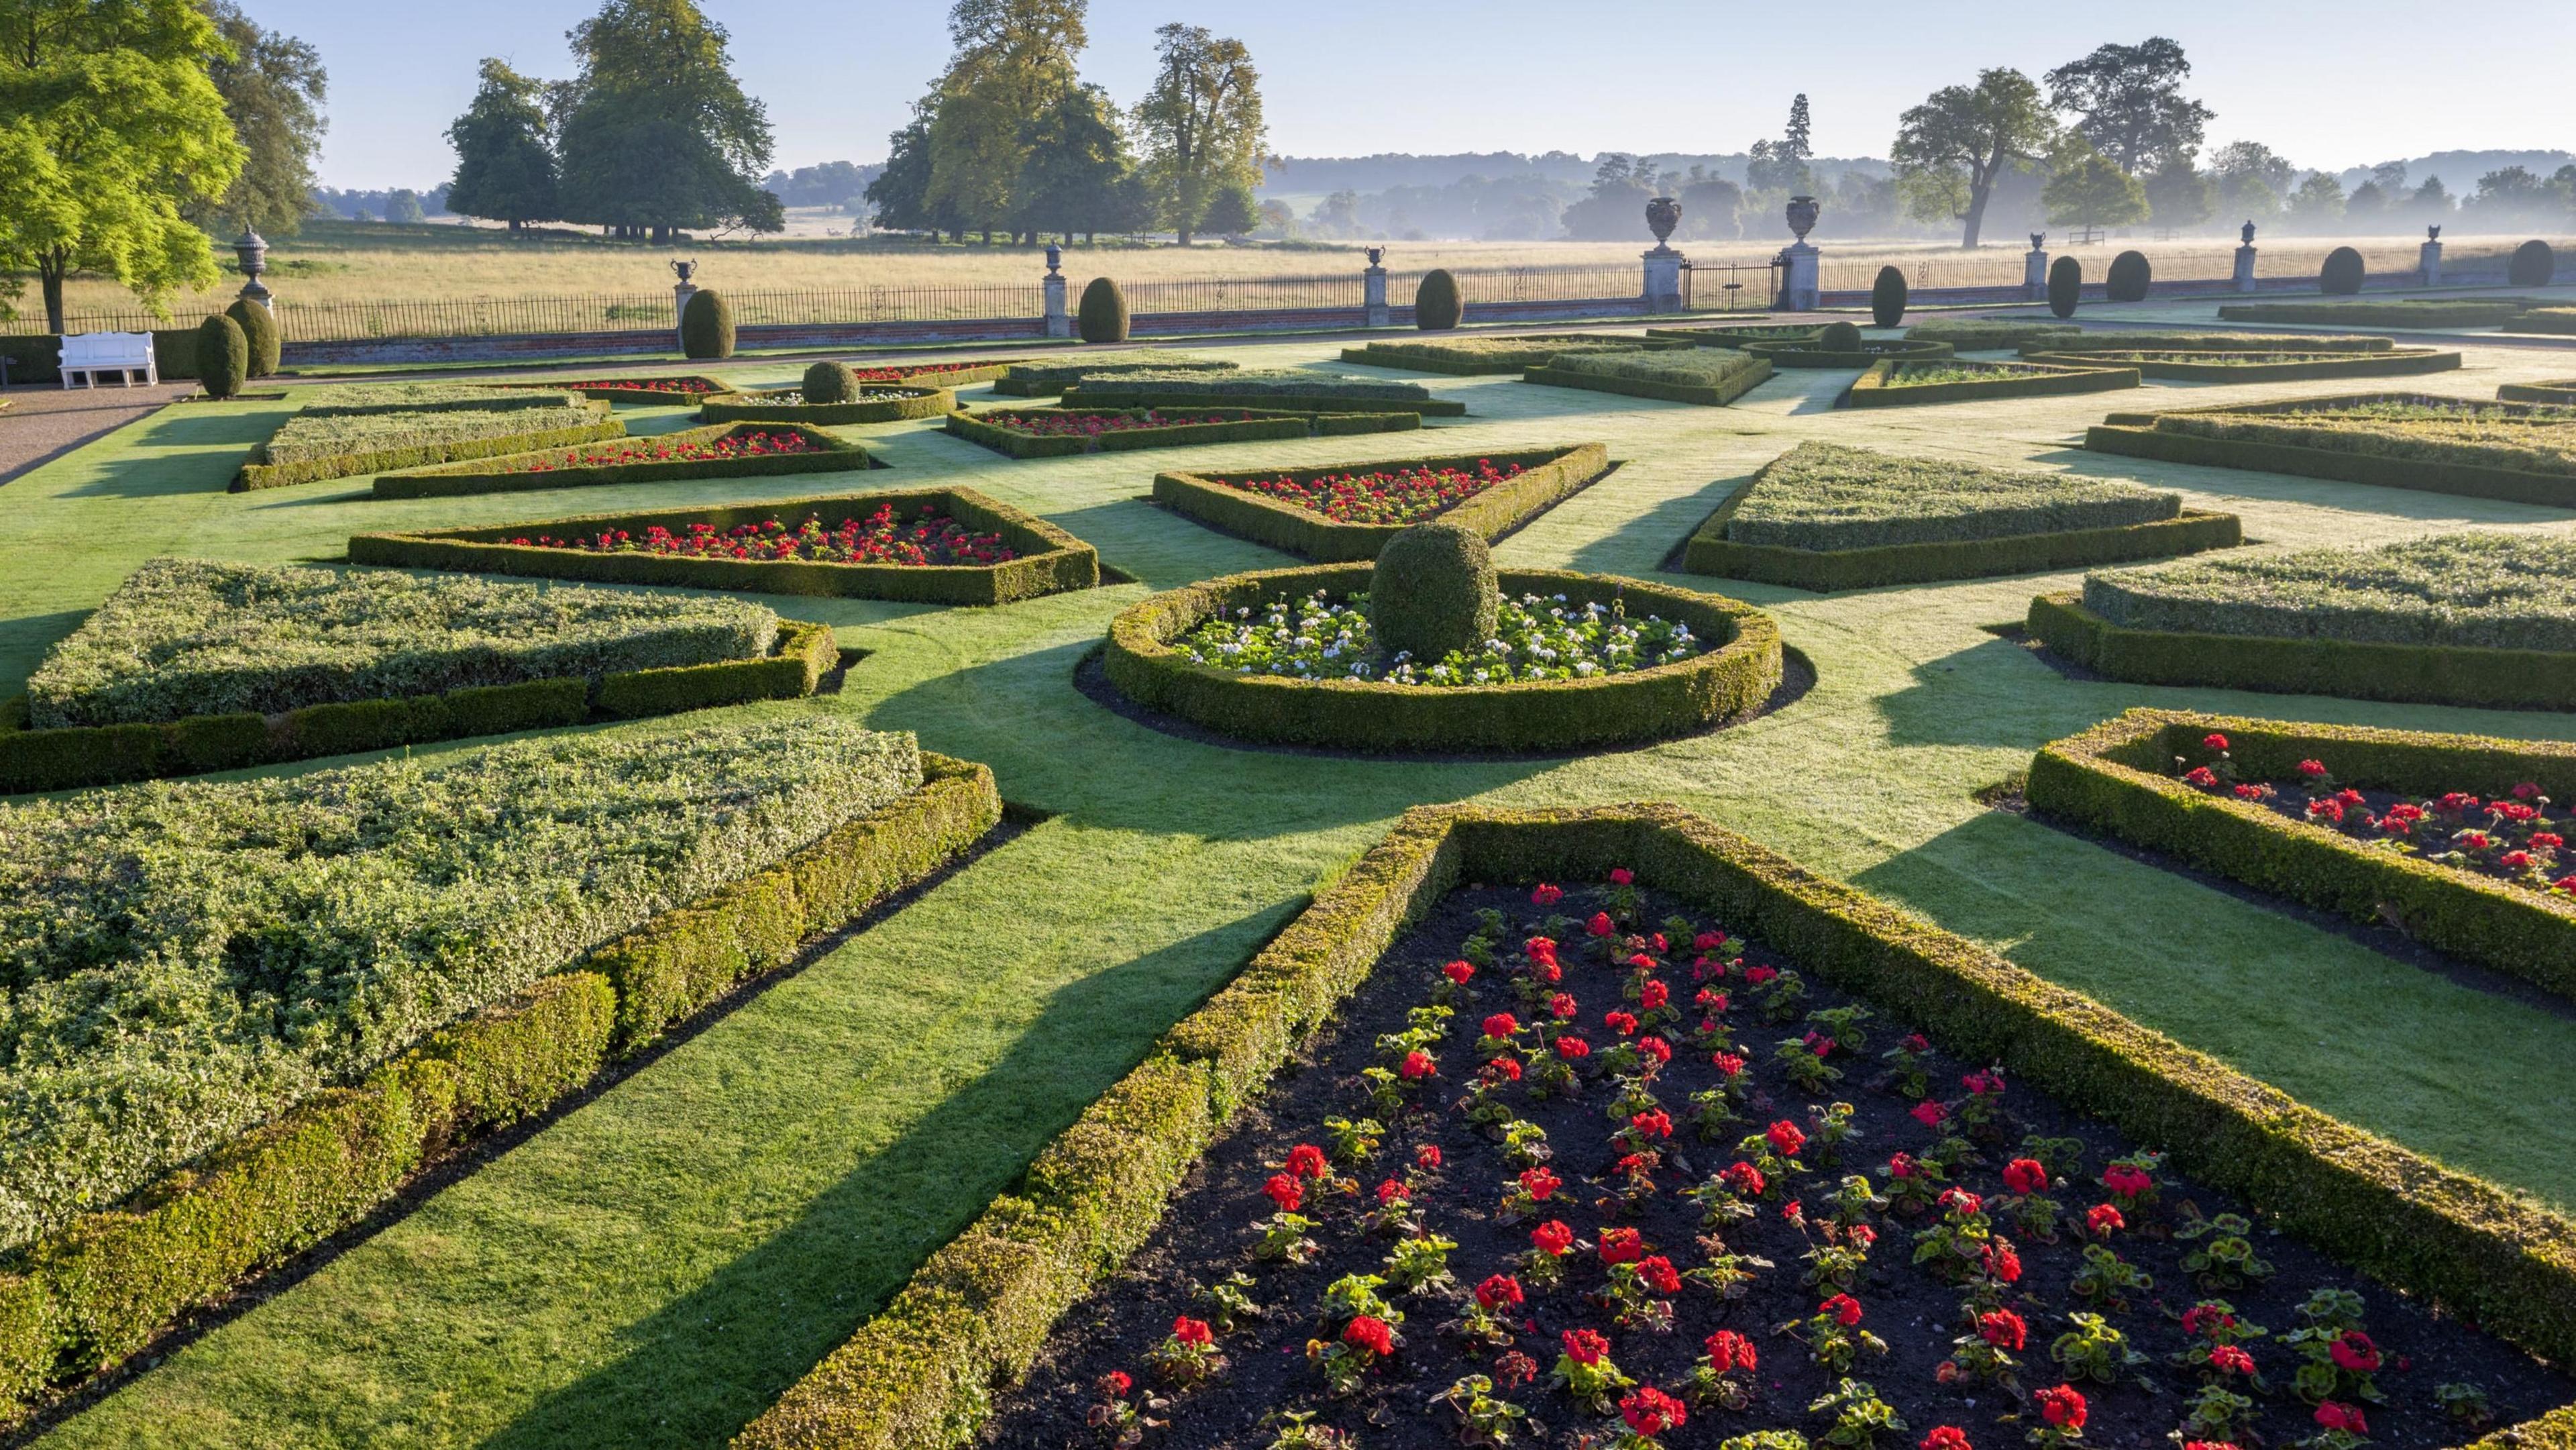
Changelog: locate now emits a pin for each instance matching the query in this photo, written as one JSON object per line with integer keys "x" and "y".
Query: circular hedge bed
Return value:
{"x": 1734, "y": 676}
{"x": 787, "y": 405}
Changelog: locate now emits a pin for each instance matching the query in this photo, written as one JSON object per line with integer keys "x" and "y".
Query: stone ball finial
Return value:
{"x": 1433, "y": 591}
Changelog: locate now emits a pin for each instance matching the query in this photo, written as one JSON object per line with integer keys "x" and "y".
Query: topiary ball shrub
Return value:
{"x": 259, "y": 326}
{"x": 223, "y": 356}
{"x": 2130, "y": 273}
{"x": 1838, "y": 337}
{"x": 1102, "y": 317}
{"x": 1437, "y": 305}
{"x": 2065, "y": 285}
{"x": 831, "y": 382}
{"x": 1887, "y": 297}
{"x": 1433, "y": 591}
{"x": 706, "y": 326}
{"x": 2341, "y": 275}
{"x": 2533, "y": 265}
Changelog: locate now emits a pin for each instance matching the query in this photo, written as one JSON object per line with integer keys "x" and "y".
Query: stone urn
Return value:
{"x": 1662, "y": 215}
{"x": 1803, "y": 211}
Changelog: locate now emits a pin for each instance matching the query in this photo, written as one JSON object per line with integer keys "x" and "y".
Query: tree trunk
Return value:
{"x": 1183, "y": 233}
{"x": 51, "y": 268}
{"x": 1977, "y": 195}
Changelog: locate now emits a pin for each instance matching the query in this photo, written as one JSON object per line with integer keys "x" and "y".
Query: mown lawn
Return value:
{"x": 653, "y": 1268}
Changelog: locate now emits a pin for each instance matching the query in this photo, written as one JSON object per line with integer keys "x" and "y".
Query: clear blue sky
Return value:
{"x": 2334, "y": 84}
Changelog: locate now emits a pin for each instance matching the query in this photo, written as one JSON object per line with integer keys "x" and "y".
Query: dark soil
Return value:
{"x": 2289, "y": 800}
{"x": 1210, "y": 1230}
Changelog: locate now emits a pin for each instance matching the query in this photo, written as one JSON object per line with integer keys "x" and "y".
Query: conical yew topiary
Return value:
{"x": 259, "y": 327}
{"x": 1887, "y": 297}
{"x": 2065, "y": 285}
{"x": 2342, "y": 273}
{"x": 706, "y": 326}
{"x": 1437, "y": 303}
{"x": 223, "y": 356}
{"x": 2128, "y": 278}
{"x": 1433, "y": 591}
{"x": 1102, "y": 317}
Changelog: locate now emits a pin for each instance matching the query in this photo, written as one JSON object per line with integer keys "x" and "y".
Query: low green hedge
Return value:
{"x": 1716, "y": 396}
{"x": 1549, "y": 475}
{"x": 2116, "y": 778}
{"x": 1113, "y": 395}
{"x": 2560, "y": 391}
{"x": 1801, "y": 355}
{"x": 2503, "y": 679}
{"x": 1255, "y": 424}
{"x": 1050, "y": 560}
{"x": 2142, "y": 339}
{"x": 918, "y": 402}
{"x": 101, "y": 1290}
{"x": 1876, "y": 389}
{"x": 975, "y": 1315}
{"x": 1709, "y": 551}
{"x": 1736, "y": 334}
{"x": 1990, "y": 334}
{"x": 1039, "y": 377}
{"x": 312, "y": 470}
{"x": 2396, "y": 312}
{"x": 2560, "y": 320}
{"x": 607, "y": 390}
{"x": 1532, "y": 715}
{"x": 2392, "y": 362}
{"x": 1485, "y": 356}
{"x": 2136, "y": 435}
{"x": 834, "y": 456}
{"x": 87, "y": 755}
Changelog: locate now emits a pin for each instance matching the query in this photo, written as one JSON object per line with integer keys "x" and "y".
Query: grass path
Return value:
{"x": 653, "y": 1268}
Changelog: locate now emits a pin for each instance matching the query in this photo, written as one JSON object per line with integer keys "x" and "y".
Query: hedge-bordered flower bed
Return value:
{"x": 1482, "y": 356}
{"x": 1735, "y": 334}
{"x": 669, "y": 391}
{"x": 661, "y": 457}
{"x": 1049, "y": 560}
{"x": 2429, "y": 312}
{"x": 2149, "y": 435}
{"x": 1794, "y": 354}
{"x": 2559, "y": 391}
{"x": 1065, "y": 432}
{"x": 882, "y": 403}
{"x": 1546, "y": 477}
{"x": 263, "y": 474}
{"x": 1886, "y": 384}
{"x": 2287, "y": 365}
{"x": 105, "y": 1287}
{"x": 982, "y": 1308}
{"x": 2558, "y": 320}
{"x": 1114, "y": 393}
{"x": 2121, "y": 778}
{"x": 1037, "y": 377}
{"x": 1667, "y": 378}
{"x": 1370, "y": 715}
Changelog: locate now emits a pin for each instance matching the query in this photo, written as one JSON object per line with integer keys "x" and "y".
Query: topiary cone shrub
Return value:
{"x": 1433, "y": 591}
{"x": 1437, "y": 303}
{"x": 223, "y": 356}
{"x": 1887, "y": 297}
{"x": 2533, "y": 264}
{"x": 259, "y": 326}
{"x": 831, "y": 382}
{"x": 2130, "y": 273}
{"x": 1102, "y": 317}
{"x": 1838, "y": 337}
{"x": 706, "y": 326}
{"x": 2341, "y": 275}
{"x": 2065, "y": 285}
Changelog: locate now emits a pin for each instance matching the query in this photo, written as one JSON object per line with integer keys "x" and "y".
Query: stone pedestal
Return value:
{"x": 1663, "y": 290}
{"x": 1059, "y": 320}
{"x": 680, "y": 295}
{"x": 1801, "y": 266}
{"x": 2428, "y": 263}
{"x": 1373, "y": 296}
{"x": 2243, "y": 281}
{"x": 2034, "y": 274}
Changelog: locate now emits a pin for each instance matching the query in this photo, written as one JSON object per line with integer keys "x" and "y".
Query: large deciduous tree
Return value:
{"x": 2178, "y": 195}
{"x": 1950, "y": 149}
{"x": 1201, "y": 123}
{"x": 505, "y": 168}
{"x": 2087, "y": 190}
{"x": 273, "y": 86}
{"x": 1782, "y": 165}
{"x": 1077, "y": 162}
{"x": 2131, "y": 103}
{"x": 110, "y": 126}
{"x": 901, "y": 192}
{"x": 1013, "y": 63}
{"x": 656, "y": 134}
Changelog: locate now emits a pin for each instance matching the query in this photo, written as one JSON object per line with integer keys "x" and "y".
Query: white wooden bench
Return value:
{"x": 88, "y": 354}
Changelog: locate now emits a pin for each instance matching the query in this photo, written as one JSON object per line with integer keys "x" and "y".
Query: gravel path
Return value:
{"x": 44, "y": 421}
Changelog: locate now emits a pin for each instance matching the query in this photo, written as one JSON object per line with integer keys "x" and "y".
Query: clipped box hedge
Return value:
{"x": 2559, "y": 320}
{"x": 1647, "y": 375}
{"x": 1372, "y": 715}
{"x": 1709, "y": 551}
{"x": 2140, "y": 339}
{"x": 2431, "y": 312}
{"x": 1735, "y": 334}
{"x": 2184, "y": 365}
{"x": 1039, "y": 377}
{"x": 1794, "y": 354}
{"x": 1050, "y": 560}
{"x": 86, "y": 755}
{"x": 914, "y": 402}
{"x": 1482, "y": 356}
{"x": 2117, "y": 779}
{"x": 2146, "y": 435}
{"x": 977, "y": 1313}
{"x": 2504, "y": 679}
{"x": 1119, "y": 395}
{"x": 2558, "y": 391}
{"x": 105, "y": 1287}
{"x": 1878, "y": 388}
{"x": 830, "y": 455}
{"x": 1250, "y": 425}
{"x": 1548, "y": 476}
{"x": 1990, "y": 334}
{"x": 371, "y": 400}
{"x": 609, "y": 390}
{"x": 260, "y": 475}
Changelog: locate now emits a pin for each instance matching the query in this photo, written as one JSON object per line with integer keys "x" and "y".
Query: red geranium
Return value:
{"x": 1370, "y": 1333}
{"x": 1285, "y": 1191}
{"x": 2025, "y": 1175}
{"x": 1306, "y": 1161}
{"x": 2003, "y": 1329}
{"x": 1498, "y": 1290}
{"x": 1844, "y": 1308}
{"x": 1728, "y": 1350}
{"x": 1192, "y": 1331}
{"x": 1552, "y": 1237}
{"x": 1650, "y": 1412}
{"x": 1584, "y": 1346}
{"x": 1622, "y": 1246}
{"x": 2062, "y": 1407}
{"x": 1784, "y": 1138}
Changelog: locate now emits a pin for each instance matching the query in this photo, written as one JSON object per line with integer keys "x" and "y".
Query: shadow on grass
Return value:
{"x": 768, "y": 1316}
{"x": 159, "y": 468}
{"x": 1994, "y": 693}
{"x": 1646, "y": 544}
{"x": 1163, "y": 549}
{"x": 24, "y": 640}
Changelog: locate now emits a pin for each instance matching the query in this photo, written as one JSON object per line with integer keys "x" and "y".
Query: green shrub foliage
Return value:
{"x": 2533, "y": 264}
{"x": 223, "y": 356}
{"x": 1437, "y": 304}
{"x": 2130, "y": 273}
{"x": 1102, "y": 316}
{"x": 2341, "y": 275}
{"x": 1887, "y": 297}
{"x": 831, "y": 382}
{"x": 706, "y": 326}
{"x": 1838, "y": 337}
{"x": 259, "y": 325}
{"x": 1433, "y": 591}
{"x": 2065, "y": 285}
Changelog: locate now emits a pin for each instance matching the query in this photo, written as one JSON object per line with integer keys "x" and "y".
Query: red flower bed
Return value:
{"x": 1575, "y": 1171}
{"x": 690, "y": 387}
{"x": 1092, "y": 425}
{"x": 881, "y": 538}
{"x": 1388, "y": 496}
{"x": 650, "y": 450}
{"x": 914, "y": 370}
{"x": 2510, "y": 838}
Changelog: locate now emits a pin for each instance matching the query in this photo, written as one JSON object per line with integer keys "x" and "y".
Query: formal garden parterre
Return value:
{"x": 719, "y": 450}
{"x": 1040, "y": 377}
{"x": 2415, "y": 312}
{"x": 312, "y": 448}
{"x": 1349, "y": 513}
{"x": 1477, "y": 356}
{"x": 1711, "y": 377}
{"x": 2288, "y": 364}
{"x": 2525, "y": 452}
{"x": 1064, "y": 432}
{"x": 1288, "y": 389}
{"x": 1901, "y": 383}
{"x": 872, "y": 403}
